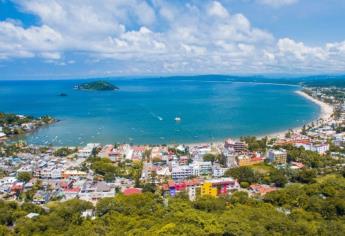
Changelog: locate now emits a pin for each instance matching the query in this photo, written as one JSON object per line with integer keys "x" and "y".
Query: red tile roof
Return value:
{"x": 72, "y": 190}
{"x": 262, "y": 189}
{"x": 139, "y": 148}
{"x": 132, "y": 191}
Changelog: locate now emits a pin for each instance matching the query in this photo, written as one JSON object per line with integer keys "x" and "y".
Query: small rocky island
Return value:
{"x": 97, "y": 86}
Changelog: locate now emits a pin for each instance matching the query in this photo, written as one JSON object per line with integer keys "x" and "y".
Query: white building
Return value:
{"x": 181, "y": 172}
{"x": 27, "y": 168}
{"x": 339, "y": 139}
{"x": 277, "y": 156}
{"x": 201, "y": 150}
{"x": 45, "y": 173}
{"x": 2, "y": 134}
{"x": 56, "y": 173}
{"x": 319, "y": 148}
{"x": 201, "y": 168}
{"x": 8, "y": 180}
{"x": 164, "y": 171}
{"x": 181, "y": 148}
{"x": 230, "y": 158}
{"x": 218, "y": 171}
{"x": 106, "y": 150}
{"x": 94, "y": 192}
{"x": 87, "y": 150}
{"x": 6, "y": 183}
{"x": 192, "y": 192}
{"x": 128, "y": 152}
{"x": 237, "y": 146}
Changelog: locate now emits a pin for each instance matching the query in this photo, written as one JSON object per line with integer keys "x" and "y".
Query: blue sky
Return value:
{"x": 87, "y": 38}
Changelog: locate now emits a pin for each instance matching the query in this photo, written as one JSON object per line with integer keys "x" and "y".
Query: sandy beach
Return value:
{"x": 326, "y": 109}
{"x": 325, "y": 115}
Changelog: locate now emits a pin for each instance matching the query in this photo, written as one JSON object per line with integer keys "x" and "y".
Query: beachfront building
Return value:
{"x": 199, "y": 151}
{"x": 277, "y": 156}
{"x": 87, "y": 150}
{"x": 121, "y": 152}
{"x": 237, "y": 146}
{"x": 138, "y": 153}
{"x": 106, "y": 150}
{"x": 217, "y": 187}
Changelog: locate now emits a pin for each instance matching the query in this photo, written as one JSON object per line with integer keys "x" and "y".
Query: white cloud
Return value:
{"x": 277, "y": 3}
{"x": 15, "y": 41}
{"x": 159, "y": 37}
{"x": 300, "y": 51}
{"x": 51, "y": 55}
{"x": 217, "y": 9}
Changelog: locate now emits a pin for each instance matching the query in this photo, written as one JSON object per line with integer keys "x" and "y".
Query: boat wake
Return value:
{"x": 156, "y": 116}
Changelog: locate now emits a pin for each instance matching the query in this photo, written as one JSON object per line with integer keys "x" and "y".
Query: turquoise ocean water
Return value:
{"x": 144, "y": 110}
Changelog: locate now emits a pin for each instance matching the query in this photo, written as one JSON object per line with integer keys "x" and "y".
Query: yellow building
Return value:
{"x": 208, "y": 189}
{"x": 216, "y": 187}
{"x": 73, "y": 173}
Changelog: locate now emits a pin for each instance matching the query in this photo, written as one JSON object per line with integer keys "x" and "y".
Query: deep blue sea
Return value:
{"x": 144, "y": 110}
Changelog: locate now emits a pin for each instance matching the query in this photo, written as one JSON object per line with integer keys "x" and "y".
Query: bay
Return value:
{"x": 143, "y": 111}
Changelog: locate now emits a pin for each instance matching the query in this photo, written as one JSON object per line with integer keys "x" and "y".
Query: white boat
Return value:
{"x": 177, "y": 119}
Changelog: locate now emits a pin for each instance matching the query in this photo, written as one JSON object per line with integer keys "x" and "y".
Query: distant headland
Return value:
{"x": 97, "y": 86}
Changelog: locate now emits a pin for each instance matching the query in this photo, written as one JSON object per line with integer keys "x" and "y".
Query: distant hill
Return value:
{"x": 309, "y": 81}
{"x": 97, "y": 86}
{"x": 325, "y": 81}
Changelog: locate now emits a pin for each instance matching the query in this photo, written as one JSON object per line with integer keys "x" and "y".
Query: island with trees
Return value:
{"x": 100, "y": 85}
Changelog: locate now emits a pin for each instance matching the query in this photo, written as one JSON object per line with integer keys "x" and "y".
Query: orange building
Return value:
{"x": 73, "y": 173}
{"x": 244, "y": 160}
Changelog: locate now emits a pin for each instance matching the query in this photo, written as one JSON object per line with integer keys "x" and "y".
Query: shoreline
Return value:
{"x": 325, "y": 115}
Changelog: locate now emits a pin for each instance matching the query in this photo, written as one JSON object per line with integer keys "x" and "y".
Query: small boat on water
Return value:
{"x": 177, "y": 119}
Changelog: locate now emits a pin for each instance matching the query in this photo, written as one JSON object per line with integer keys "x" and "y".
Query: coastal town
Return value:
{"x": 164, "y": 118}
{"x": 41, "y": 174}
